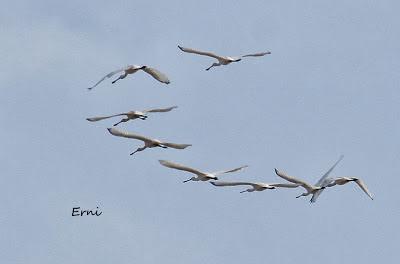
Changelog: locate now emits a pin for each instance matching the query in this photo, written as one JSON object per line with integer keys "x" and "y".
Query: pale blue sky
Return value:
{"x": 330, "y": 87}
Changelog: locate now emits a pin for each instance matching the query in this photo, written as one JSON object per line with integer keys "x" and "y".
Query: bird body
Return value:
{"x": 131, "y": 115}
{"x": 148, "y": 142}
{"x": 311, "y": 189}
{"x": 323, "y": 181}
{"x": 344, "y": 180}
{"x": 131, "y": 69}
{"x": 200, "y": 175}
{"x": 222, "y": 60}
{"x": 256, "y": 186}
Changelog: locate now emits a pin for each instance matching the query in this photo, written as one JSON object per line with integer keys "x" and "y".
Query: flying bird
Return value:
{"x": 148, "y": 142}
{"x": 256, "y": 186}
{"x": 222, "y": 60}
{"x": 329, "y": 182}
{"x": 322, "y": 181}
{"x": 200, "y": 175}
{"x": 311, "y": 189}
{"x": 131, "y": 69}
{"x": 131, "y": 115}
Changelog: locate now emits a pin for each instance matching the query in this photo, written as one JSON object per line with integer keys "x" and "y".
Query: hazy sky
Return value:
{"x": 330, "y": 87}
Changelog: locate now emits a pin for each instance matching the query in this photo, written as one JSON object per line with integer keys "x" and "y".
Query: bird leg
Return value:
{"x": 303, "y": 194}
{"x": 162, "y": 146}
{"x": 122, "y": 76}
{"x": 139, "y": 149}
{"x": 143, "y": 117}
{"x": 122, "y": 120}
{"x": 213, "y": 65}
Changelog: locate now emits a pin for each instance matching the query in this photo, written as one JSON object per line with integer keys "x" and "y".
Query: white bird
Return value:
{"x": 131, "y": 69}
{"x": 322, "y": 180}
{"x": 131, "y": 115}
{"x": 343, "y": 180}
{"x": 256, "y": 186}
{"x": 200, "y": 175}
{"x": 311, "y": 189}
{"x": 148, "y": 142}
{"x": 222, "y": 60}
{"x": 316, "y": 189}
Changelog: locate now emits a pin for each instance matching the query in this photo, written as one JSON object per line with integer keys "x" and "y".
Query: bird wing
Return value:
{"x": 284, "y": 185}
{"x": 228, "y": 171}
{"x": 223, "y": 183}
{"x": 159, "y": 109}
{"x": 156, "y": 74}
{"x": 259, "y": 54}
{"x": 177, "y": 166}
{"x": 327, "y": 182}
{"x": 98, "y": 118}
{"x": 364, "y": 188}
{"x": 293, "y": 179}
{"x": 321, "y": 180}
{"x": 175, "y": 145}
{"x": 119, "y": 133}
{"x": 107, "y": 76}
{"x": 205, "y": 53}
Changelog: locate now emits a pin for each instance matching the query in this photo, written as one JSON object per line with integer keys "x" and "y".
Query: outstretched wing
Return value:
{"x": 156, "y": 74}
{"x": 259, "y": 54}
{"x": 98, "y": 118}
{"x": 154, "y": 110}
{"x": 321, "y": 180}
{"x": 175, "y": 145}
{"x": 284, "y": 185}
{"x": 223, "y": 183}
{"x": 119, "y": 133}
{"x": 205, "y": 53}
{"x": 107, "y": 76}
{"x": 228, "y": 171}
{"x": 289, "y": 178}
{"x": 364, "y": 188}
{"x": 177, "y": 166}
{"x": 283, "y": 175}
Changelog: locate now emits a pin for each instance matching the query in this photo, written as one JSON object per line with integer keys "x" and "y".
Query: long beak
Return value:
{"x": 187, "y": 180}
{"x": 298, "y": 196}
{"x": 243, "y": 191}
{"x": 116, "y": 124}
